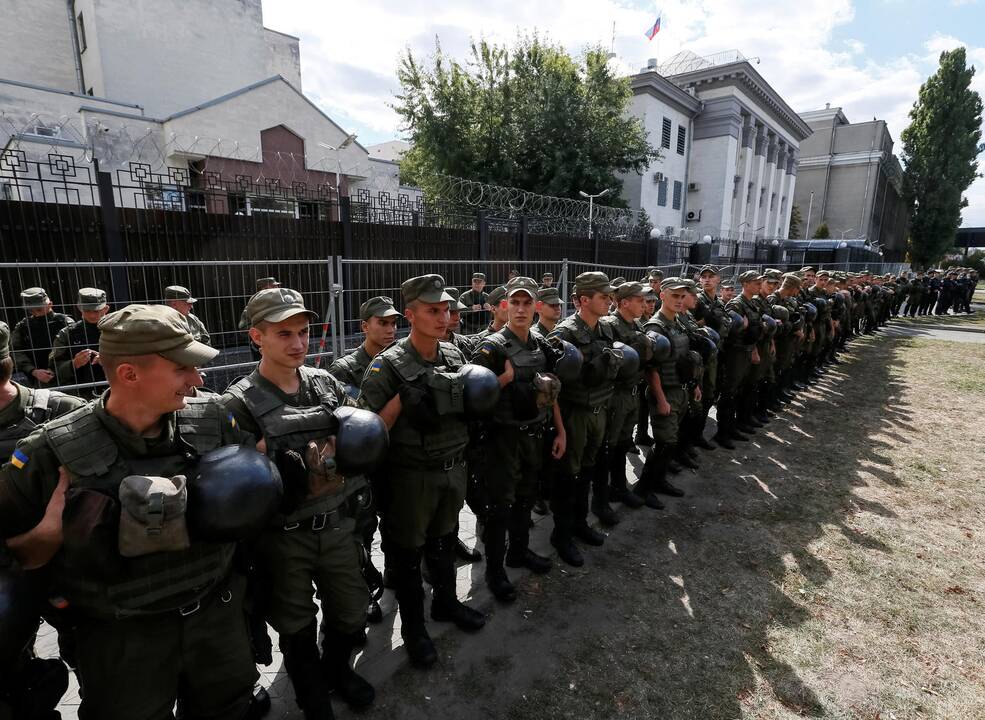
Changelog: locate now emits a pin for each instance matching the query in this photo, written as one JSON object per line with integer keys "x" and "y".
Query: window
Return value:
{"x": 665, "y": 135}
{"x": 772, "y": 202}
{"x": 783, "y": 205}
{"x": 681, "y": 139}
{"x": 749, "y": 193}
{"x": 662, "y": 193}
{"x": 82, "y": 34}
{"x": 163, "y": 197}
{"x": 678, "y": 191}
{"x": 762, "y": 196}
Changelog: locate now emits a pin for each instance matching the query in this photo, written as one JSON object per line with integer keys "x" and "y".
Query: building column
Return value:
{"x": 779, "y": 186}
{"x": 759, "y": 181}
{"x": 791, "y": 186}
{"x": 748, "y": 139}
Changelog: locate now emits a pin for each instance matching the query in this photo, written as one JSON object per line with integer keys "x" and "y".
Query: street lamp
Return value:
{"x": 744, "y": 222}
{"x": 591, "y": 201}
{"x": 349, "y": 139}
{"x": 845, "y": 231}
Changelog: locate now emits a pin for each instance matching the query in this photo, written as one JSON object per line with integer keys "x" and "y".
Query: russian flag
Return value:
{"x": 652, "y": 32}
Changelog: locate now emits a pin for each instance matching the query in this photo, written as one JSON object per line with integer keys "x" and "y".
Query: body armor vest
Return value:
{"x": 527, "y": 362}
{"x": 679, "y": 347}
{"x": 591, "y": 346}
{"x": 159, "y": 582}
{"x": 37, "y": 414}
{"x": 751, "y": 311}
{"x": 351, "y": 368}
{"x": 712, "y": 311}
{"x": 449, "y": 437}
{"x": 632, "y": 334}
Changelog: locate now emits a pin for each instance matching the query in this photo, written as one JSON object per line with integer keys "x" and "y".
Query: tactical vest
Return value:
{"x": 527, "y": 362}
{"x": 712, "y": 311}
{"x": 288, "y": 427}
{"x": 353, "y": 367}
{"x": 159, "y": 582}
{"x": 631, "y": 334}
{"x": 448, "y": 438}
{"x": 37, "y": 413}
{"x": 591, "y": 346}
{"x": 679, "y": 346}
{"x": 749, "y": 310}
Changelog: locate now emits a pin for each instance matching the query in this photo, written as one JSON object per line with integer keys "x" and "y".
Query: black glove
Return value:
{"x": 417, "y": 405}
{"x": 294, "y": 474}
{"x": 613, "y": 360}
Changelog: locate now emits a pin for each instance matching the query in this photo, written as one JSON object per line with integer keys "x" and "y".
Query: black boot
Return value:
{"x": 600, "y": 489}
{"x": 725, "y": 422}
{"x": 655, "y": 467}
{"x": 699, "y": 430}
{"x": 518, "y": 553}
{"x": 643, "y": 422}
{"x": 405, "y": 570}
{"x": 341, "y": 678}
{"x": 581, "y": 529}
{"x": 494, "y": 538}
{"x": 619, "y": 492}
{"x": 562, "y": 505}
{"x": 660, "y": 483}
{"x": 303, "y": 666}
{"x": 445, "y": 605}
{"x": 463, "y": 551}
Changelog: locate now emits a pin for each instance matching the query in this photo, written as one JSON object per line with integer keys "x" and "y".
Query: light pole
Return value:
{"x": 744, "y": 222}
{"x": 349, "y": 139}
{"x": 845, "y": 231}
{"x": 810, "y": 207}
{"x": 591, "y": 201}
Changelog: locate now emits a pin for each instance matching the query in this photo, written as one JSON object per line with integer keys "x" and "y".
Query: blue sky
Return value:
{"x": 867, "y": 57}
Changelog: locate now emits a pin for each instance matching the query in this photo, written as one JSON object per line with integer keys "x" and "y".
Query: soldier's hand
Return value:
{"x": 94, "y": 359}
{"x": 697, "y": 393}
{"x": 37, "y": 546}
{"x": 508, "y": 374}
{"x": 560, "y": 444}
{"x": 476, "y": 307}
{"x": 755, "y": 356}
{"x": 663, "y": 407}
{"x": 262, "y": 446}
{"x": 43, "y": 376}
{"x": 81, "y": 358}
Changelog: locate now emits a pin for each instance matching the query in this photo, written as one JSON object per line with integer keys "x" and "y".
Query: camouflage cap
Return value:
{"x": 265, "y": 283}
{"x": 628, "y": 290}
{"x": 750, "y": 276}
{"x": 275, "y": 305}
{"x": 455, "y": 305}
{"x": 177, "y": 292}
{"x": 497, "y": 295}
{"x": 692, "y": 286}
{"x": 547, "y": 276}
{"x": 593, "y": 282}
{"x": 92, "y": 298}
{"x": 617, "y": 281}
{"x": 648, "y": 293}
{"x": 653, "y": 274}
{"x": 673, "y": 283}
{"x": 152, "y": 330}
{"x": 479, "y": 276}
{"x": 822, "y": 273}
{"x": 426, "y": 288}
{"x": 4, "y": 340}
{"x": 379, "y": 306}
{"x": 792, "y": 280}
{"x": 708, "y": 269}
{"x": 808, "y": 268}
{"x": 34, "y": 297}
{"x": 522, "y": 284}
{"x": 549, "y": 296}
{"x": 772, "y": 276}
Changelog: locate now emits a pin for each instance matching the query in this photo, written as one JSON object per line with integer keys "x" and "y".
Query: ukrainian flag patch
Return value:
{"x": 18, "y": 459}
{"x": 232, "y": 420}
{"x": 485, "y": 349}
{"x": 376, "y": 366}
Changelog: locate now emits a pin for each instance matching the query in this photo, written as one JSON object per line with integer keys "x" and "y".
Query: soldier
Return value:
{"x": 548, "y": 315}
{"x": 653, "y": 278}
{"x": 34, "y": 337}
{"x": 623, "y": 411}
{"x": 667, "y": 394}
{"x": 548, "y": 310}
{"x": 150, "y": 621}
{"x": 311, "y": 541}
{"x": 727, "y": 290}
{"x": 465, "y": 343}
{"x": 787, "y": 343}
{"x": 521, "y": 359}
{"x": 412, "y": 385}
{"x": 264, "y": 283}
{"x": 75, "y": 352}
{"x": 583, "y": 409}
{"x": 546, "y": 280}
{"x": 477, "y": 301}
{"x": 710, "y": 312}
{"x": 642, "y": 434}
{"x": 497, "y": 304}
{"x": 741, "y": 353}
{"x": 180, "y": 298}
{"x": 691, "y": 434}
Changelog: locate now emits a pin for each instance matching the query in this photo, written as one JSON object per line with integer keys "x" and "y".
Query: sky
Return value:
{"x": 867, "y": 57}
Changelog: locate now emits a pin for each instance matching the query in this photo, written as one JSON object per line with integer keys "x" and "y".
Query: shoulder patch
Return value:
{"x": 376, "y": 365}
{"x": 19, "y": 459}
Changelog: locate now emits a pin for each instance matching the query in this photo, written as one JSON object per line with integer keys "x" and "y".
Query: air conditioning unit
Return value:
{"x": 658, "y": 177}
{"x": 693, "y": 187}
{"x": 694, "y": 216}
{"x": 45, "y": 131}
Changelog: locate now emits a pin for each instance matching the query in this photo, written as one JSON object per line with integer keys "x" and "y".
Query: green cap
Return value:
{"x": 479, "y": 276}
{"x": 547, "y": 276}
{"x": 455, "y": 304}
{"x": 152, "y": 330}
{"x": 617, "y": 281}
{"x": 496, "y": 295}
{"x": 750, "y": 276}
{"x": 708, "y": 269}
{"x": 629, "y": 289}
{"x": 275, "y": 305}
{"x": 653, "y": 274}
{"x": 266, "y": 283}
{"x": 426, "y": 288}
{"x": 808, "y": 268}
{"x": 522, "y": 284}
{"x": 177, "y": 292}
{"x": 692, "y": 287}
{"x": 649, "y": 294}
{"x": 593, "y": 282}
{"x": 92, "y": 298}
{"x": 792, "y": 279}
{"x": 34, "y": 297}
{"x": 549, "y": 296}
{"x": 823, "y": 273}
{"x": 4, "y": 340}
{"x": 673, "y": 283}
{"x": 772, "y": 275}
{"x": 380, "y": 307}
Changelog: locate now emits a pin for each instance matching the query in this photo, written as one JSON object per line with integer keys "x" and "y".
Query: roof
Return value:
{"x": 650, "y": 82}
{"x": 391, "y": 150}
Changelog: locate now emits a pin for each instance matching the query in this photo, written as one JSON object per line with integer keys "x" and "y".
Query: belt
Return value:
{"x": 319, "y": 521}
{"x": 440, "y": 465}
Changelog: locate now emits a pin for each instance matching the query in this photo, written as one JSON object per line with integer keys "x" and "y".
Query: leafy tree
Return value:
{"x": 527, "y": 116}
{"x": 822, "y": 232}
{"x": 940, "y": 147}
{"x": 795, "y": 221}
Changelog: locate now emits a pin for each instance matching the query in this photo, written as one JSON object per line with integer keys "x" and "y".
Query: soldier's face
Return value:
{"x": 632, "y": 305}
{"x": 821, "y": 281}
{"x": 655, "y": 286}
{"x": 549, "y": 311}
{"x": 690, "y": 301}
{"x": 597, "y": 304}
{"x": 673, "y": 300}
{"x": 770, "y": 286}
{"x": 809, "y": 277}
{"x": 709, "y": 281}
{"x": 520, "y": 310}
{"x": 429, "y": 319}
{"x": 728, "y": 292}
{"x": 163, "y": 384}
{"x": 477, "y": 285}
{"x": 650, "y": 306}
{"x": 454, "y": 320}
{"x": 381, "y": 331}
{"x": 182, "y": 306}
{"x": 93, "y": 316}
{"x": 547, "y": 282}
{"x": 283, "y": 343}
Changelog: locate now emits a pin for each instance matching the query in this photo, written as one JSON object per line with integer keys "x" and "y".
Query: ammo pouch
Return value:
{"x": 90, "y": 530}
{"x": 152, "y": 516}
{"x": 447, "y": 389}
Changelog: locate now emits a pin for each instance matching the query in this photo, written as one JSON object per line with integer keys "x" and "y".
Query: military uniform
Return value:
{"x": 474, "y": 321}
{"x": 34, "y": 335}
{"x": 711, "y": 311}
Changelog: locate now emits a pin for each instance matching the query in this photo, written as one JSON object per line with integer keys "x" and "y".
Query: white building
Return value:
{"x": 741, "y": 164}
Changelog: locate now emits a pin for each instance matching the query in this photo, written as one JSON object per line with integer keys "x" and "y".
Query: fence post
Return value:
{"x": 483, "y": 235}
{"x": 524, "y": 239}
{"x": 564, "y": 287}
{"x": 345, "y": 217}
{"x": 596, "y": 247}
{"x": 112, "y": 240}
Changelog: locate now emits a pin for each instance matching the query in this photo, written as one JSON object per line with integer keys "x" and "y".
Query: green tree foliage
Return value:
{"x": 940, "y": 147}
{"x": 822, "y": 232}
{"x": 795, "y": 220}
{"x": 527, "y": 116}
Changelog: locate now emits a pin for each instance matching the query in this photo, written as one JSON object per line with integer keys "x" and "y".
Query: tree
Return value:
{"x": 795, "y": 220}
{"x": 822, "y": 232}
{"x": 940, "y": 147}
{"x": 528, "y": 116}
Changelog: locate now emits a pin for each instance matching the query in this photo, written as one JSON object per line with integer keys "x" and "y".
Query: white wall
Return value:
{"x": 36, "y": 43}
{"x": 713, "y": 166}
{"x": 283, "y": 56}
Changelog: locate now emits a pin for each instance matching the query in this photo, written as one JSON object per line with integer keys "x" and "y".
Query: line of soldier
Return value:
{"x": 531, "y": 409}
{"x": 936, "y": 292}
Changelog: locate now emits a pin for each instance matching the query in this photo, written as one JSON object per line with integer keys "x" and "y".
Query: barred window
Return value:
{"x": 665, "y": 135}
{"x": 662, "y": 193}
{"x": 681, "y": 139}
{"x": 678, "y": 191}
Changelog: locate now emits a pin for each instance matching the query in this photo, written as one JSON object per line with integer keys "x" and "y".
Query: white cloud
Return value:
{"x": 349, "y": 52}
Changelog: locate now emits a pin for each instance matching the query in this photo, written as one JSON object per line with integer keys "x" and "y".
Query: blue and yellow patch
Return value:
{"x": 232, "y": 420}
{"x": 18, "y": 459}
{"x": 486, "y": 349}
{"x": 376, "y": 366}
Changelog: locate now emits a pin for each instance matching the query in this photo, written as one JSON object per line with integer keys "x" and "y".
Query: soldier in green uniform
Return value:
{"x": 651, "y": 300}
{"x": 148, "y": 626}
{"x": 623, "y": 411}
{"x": 546, "y": 280}
{"x": 75, "y": 352}
{"x": 465, "y": 343}
{"x": 548, "y": 310}
{"x": 521, "y": 359}
{"x": 710, "y": 312}
{"x": 741, "y": 353}
{"x": 548, "y": 316}
{"x": 180, "y": 298}
{"x": 311, "y": 541}
{"x": 691, "y": 433}
{"x": 378, "y": 321}
{"x": 762, "y": 375}
{"x": 583, "y": 409}
{"x": 413, "y": 386}
{"x": 476, "y": 300}
{"x": 666, "y": 392}
{"x": 34, "y": 336}
{"x": 787, "y": 343}
{"x": 497, "y": 304}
